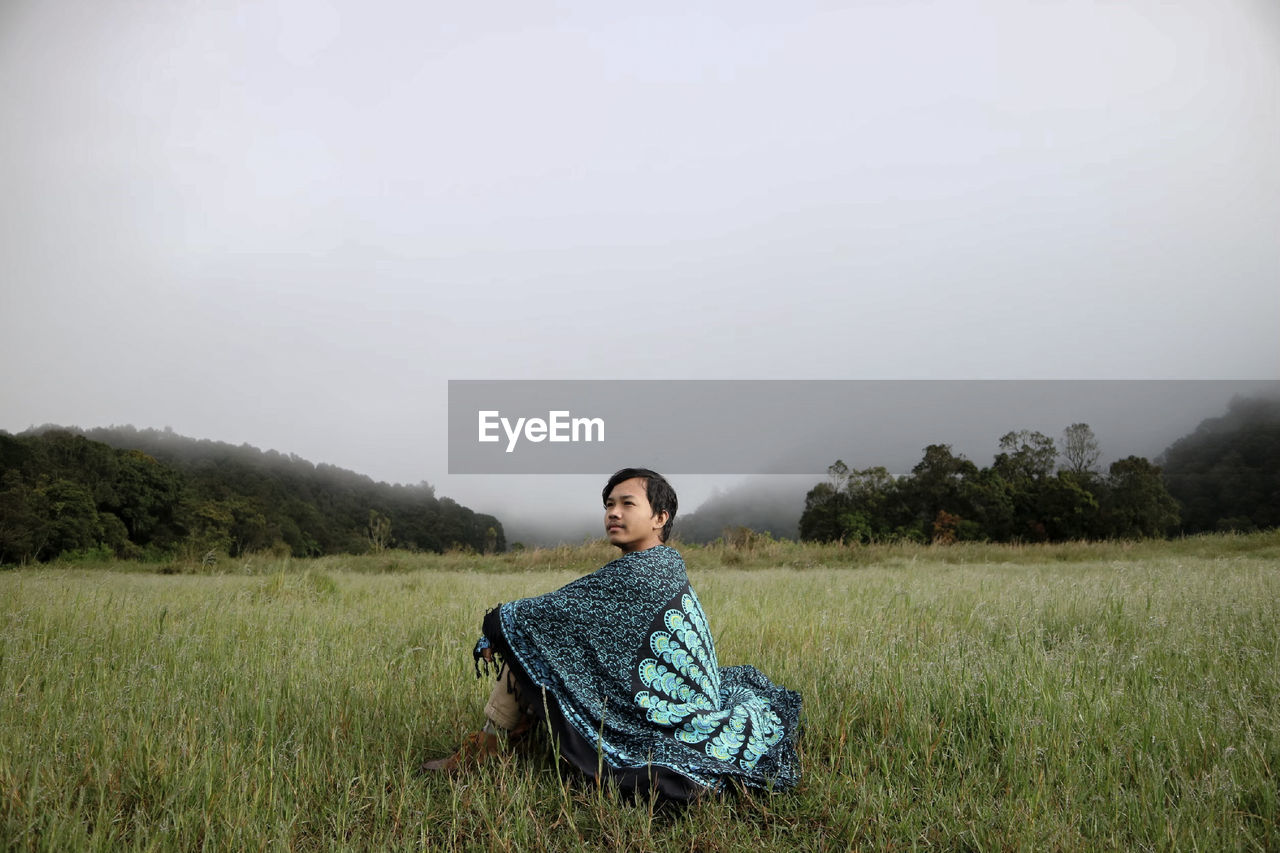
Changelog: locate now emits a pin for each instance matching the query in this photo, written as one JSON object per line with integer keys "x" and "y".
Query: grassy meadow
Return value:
{"x": 1073, "y": 697}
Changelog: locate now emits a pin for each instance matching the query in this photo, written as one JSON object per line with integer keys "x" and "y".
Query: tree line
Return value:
{"x": 154, "y": 494}
{"x": 1023, "y": 496}
{"x": 1224, "y": 476}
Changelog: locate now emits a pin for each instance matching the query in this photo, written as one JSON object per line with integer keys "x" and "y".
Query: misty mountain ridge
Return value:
{"x": 147, "y": 492}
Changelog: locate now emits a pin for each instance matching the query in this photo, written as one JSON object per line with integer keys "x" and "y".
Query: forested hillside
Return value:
{"x": 1226, "y": 474}
{"x": 151, "y": 493}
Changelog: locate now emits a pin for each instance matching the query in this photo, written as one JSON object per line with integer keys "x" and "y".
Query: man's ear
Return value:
{"x": 663, "y": 517}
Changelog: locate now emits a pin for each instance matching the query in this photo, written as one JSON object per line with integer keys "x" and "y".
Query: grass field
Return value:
{"x": 1111, "y": 696}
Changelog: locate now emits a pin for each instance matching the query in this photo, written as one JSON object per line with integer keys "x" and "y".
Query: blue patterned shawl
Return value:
{"x": 633, "y": 687}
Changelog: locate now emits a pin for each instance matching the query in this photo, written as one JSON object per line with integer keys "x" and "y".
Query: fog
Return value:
{"x": 290, "y": 224}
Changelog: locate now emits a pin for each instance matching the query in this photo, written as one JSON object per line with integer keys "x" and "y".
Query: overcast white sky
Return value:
{"x": 290, "y": 223}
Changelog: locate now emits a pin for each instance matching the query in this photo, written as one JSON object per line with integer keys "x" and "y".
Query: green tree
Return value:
{"x": 144, "y": 495}
{"x": 1025, "y": 455}
{"x": 1065, "y": 508}
{"x": 823, "y": 507}
{"x": 209, "y": 526}
{"x": 1025, "y": 463}
{"x": 73, "y": 519}
{"x": 1137, "y": 503}
{"x": 990, "y": 502}
{"x": 936, "y": 490}
{"x": 853, "y": 506}
{"x": 24, "y": 526}
{"x": 876, "y": 508}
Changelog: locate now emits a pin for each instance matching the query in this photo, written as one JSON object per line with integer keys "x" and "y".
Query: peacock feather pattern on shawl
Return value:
{"x": 687, "y": 695}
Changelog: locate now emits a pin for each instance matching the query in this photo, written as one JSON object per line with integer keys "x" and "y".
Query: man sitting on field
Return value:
{"x": 621, "y": 667}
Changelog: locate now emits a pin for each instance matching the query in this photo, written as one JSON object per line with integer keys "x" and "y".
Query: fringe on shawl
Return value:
{"x": 495, "y": 661}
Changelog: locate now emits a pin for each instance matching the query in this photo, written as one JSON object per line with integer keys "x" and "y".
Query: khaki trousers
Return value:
{"x": 503, "y": 707}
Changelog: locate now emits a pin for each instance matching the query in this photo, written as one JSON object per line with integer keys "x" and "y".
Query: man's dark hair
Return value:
{"x": 662, "y": 498}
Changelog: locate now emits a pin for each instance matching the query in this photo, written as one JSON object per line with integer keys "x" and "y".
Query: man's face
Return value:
{"x": 629, "y": 521}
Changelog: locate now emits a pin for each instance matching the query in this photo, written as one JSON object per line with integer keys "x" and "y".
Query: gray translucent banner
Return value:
{"x": 801, "y": 426}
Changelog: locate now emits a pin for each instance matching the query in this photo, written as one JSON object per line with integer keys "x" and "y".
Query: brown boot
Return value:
{"x": 519, "y": 736}
{"x": 477, "y": 748}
